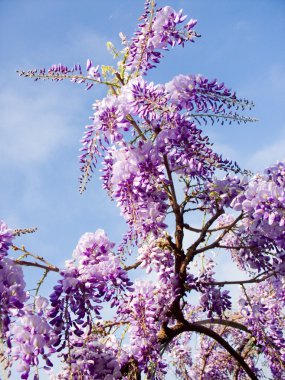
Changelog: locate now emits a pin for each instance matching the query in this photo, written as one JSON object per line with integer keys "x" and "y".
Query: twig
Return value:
{"x": 224, "y": 322}
{"x": 22, "y": 231}
{"x": 27, "y": 253}
{"x": 133, "y": 266}
{"x": 215, "y": 244}
{"x": 50, "y": 268}
{"x": 171, "y": 333}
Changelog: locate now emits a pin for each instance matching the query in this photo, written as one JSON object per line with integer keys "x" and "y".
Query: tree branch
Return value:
{"x": 171, "y": 333}
{"x": 255, "y": 280}
{"x": 22, "y": 231}
{"x": 224, "y": 322}
{"x": 133, "y": 266}
{"x": 50, "y": 268}
{"x": 215, "y": 244}
{"x": 191, "y": 251}
{"x": 176, "y": 209}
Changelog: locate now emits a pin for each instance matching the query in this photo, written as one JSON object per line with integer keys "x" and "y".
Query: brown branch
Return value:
{"x": 236, "y": 247}
{"x": 50, "y": 268}
{"x": 255, "y": 280}
{"x": 22, "y": 231}
{"x": 137, "y": 128}
{"x": 133, "y": 266}
{"x": 171, "y": 333}
{"x": 178, "y": 245}
{"x": 27, "y": 253}
{"x": 200, "y": 208}
{"x": 112, "y": 324}
{"x": 198, "y": 230}
{"x": 215, "y": 244}
{"x": 248, "y": 345}
{"x": 191, "y": 251}
{"x": 175, "y": 206}
{"x": 193, "y": 229}
{"x": 224, "y": 322}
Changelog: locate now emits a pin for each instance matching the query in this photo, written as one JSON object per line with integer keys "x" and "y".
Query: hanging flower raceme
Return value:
{"x": 219, "y": 193}
{"x": 199, "y": 94}
{"x": 145, "y": 309}
{"x": 264, "y": 318}
{"x": 59, "y": 72}
{"x": 90, "y": 358}
{"x": 159, "y": 29}
{"x": 263, "y": 203}
{"x": 213, "y": 299}
{"x": 180, "y": 354}
{"x": 32, "y": 339}
{"x": 95, "y": 275}
{"x": 187, "y": 151}
{"x": 12, "y": 294}
{"x": 134, "y": 177}
{"x": 155, "y": 254}
{"x": 252, "y": 252}
{"x": 6, "y": 238}
{"x": 209, "y": 356}
{"x": 116, "y": 114}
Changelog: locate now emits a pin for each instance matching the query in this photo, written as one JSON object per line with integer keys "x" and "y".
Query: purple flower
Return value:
{"x": 95, "y": 275}
{"x": 32, "y": 338}
{"x": 91, "y": 358}
{"x": 12, "y": 293}
{"x": 159, "y": 30}
{"x": 6, "y": 238}
{"x": 145, "y": 309}
{"x": 262, "y": 201}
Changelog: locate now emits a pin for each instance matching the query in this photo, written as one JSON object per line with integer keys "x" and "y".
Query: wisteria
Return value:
{"x": 134, "y": 178}
{"x": 90, "y": 359}
{"x": 159, "y": 302}
{"x": 12, "y": 294}
{"x": 95, "y": 275}
{"x": 59, "y": 72}
{"x": 6, "y": 238}
{"x": 145, "y": 310}
{"x": 213, "y": 299}
{"x": 32, "y": 338}
{"x": 263, "y": 202}
{"x": 158, "y": 30}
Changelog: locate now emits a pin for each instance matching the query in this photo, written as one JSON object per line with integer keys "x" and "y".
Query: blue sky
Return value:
{"x": 41, "y": 124}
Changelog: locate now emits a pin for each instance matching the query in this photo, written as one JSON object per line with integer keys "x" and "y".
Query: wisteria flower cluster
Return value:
{"x": 6, "y": 238}
{"x": 265, "y": 319}
{"x": 12, "y": 294}
{"x": 263, "y": 202}
{"x": 32, "y": 338}
{"x": 95, "y": 275}
{"x": 90, "y": 359}
{"x": 213, "y": 299}
{"x": 145, "y": 309}
{"x": 122, "y": 312}
{"x": 157, "y": 31}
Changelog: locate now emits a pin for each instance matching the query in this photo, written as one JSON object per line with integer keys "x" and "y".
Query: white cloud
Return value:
{"x": 268, "y": 154}
{"x": 31, "y": 128}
